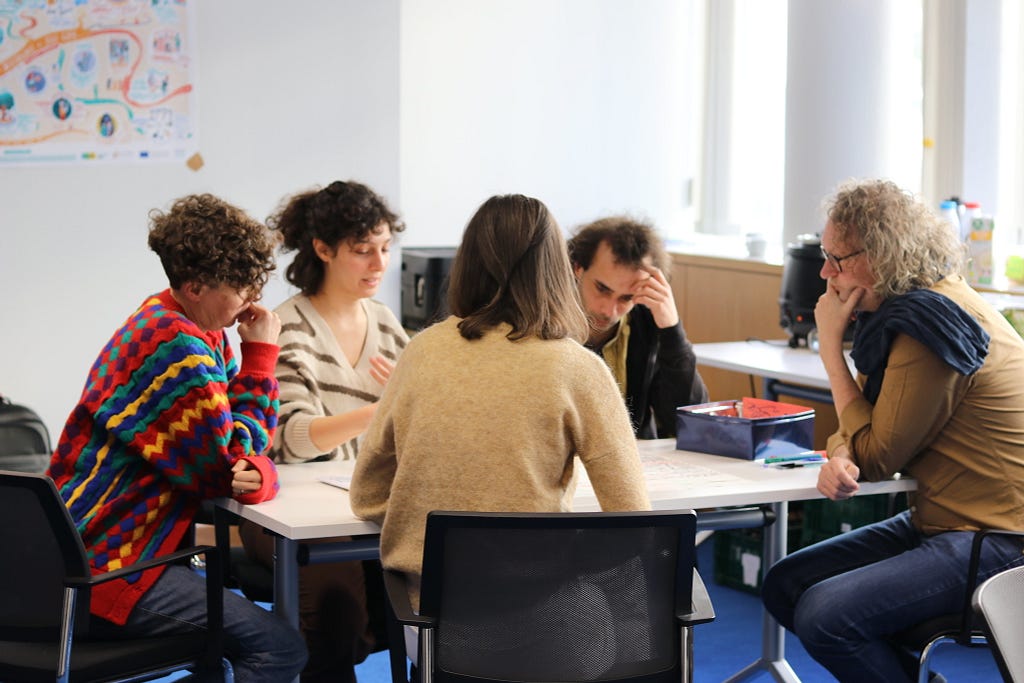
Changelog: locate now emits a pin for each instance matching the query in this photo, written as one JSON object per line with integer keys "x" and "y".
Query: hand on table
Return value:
{"x": 247, "y": 478}
{"x": 837, "y": 478}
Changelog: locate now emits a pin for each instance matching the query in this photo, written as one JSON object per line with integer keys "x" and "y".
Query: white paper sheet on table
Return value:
{"x": 341, "y": 481}
{"x": 672, "y": 473}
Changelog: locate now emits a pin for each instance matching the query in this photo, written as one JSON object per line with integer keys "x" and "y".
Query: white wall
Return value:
{"x": 287, "y": 100}
{"x": 436, "y": 104}
{"x": 838, "y": 113}
{"x": 583, "y": 104}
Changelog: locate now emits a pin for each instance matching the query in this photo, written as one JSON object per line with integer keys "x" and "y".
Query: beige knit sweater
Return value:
{"x": 490, "y": 425}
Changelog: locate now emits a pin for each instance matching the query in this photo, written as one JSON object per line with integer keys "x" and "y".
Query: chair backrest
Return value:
{"x": 1000, "y": 602}
{"x": 24, "y": 439}
{"x": 42, "y": 547}
{"x": 566, "y": 597}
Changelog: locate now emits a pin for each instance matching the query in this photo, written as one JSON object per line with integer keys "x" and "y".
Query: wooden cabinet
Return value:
{"x": 724, "y": 299}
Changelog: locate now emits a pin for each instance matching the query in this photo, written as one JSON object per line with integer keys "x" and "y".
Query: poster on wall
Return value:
{"x": 97, "y": 81}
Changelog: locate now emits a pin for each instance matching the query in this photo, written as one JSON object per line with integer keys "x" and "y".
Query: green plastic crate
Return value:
{"x": 738, "y": 556}
{"x": 738, "y": 559}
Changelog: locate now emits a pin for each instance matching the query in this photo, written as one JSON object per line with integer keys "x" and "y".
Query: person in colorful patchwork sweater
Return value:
{"x": 169, "y": 418}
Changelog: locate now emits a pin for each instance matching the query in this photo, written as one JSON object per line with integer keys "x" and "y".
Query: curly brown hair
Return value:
{"x": 908, "y": 245}
{"x": 342, "y": 211}
{"x": 205, "y": 240}
{"x": 630, "y": 240}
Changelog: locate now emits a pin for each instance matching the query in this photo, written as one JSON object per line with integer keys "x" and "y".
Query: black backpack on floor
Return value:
{"x": 24, "y": 439}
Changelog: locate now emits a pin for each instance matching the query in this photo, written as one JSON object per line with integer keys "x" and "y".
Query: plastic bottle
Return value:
{"x": 949, "y": 212}
{"x": 972, "y": 210}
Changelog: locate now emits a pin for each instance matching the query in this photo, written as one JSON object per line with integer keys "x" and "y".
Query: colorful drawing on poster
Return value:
{"x": 93, "y": 81}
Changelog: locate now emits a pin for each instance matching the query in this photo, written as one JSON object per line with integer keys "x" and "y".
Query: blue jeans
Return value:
{"x": 259, "y": 645}
{"x": 843, "y": 597}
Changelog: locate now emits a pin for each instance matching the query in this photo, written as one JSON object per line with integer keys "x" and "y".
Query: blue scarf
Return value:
{"x": 930, "y": 318}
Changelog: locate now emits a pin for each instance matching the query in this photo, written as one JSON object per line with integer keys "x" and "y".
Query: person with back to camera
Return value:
{"x": 487, "y": 409}
{"x": 619, "y": 263}
{"x": 167, "y": 419}
{"x": 338, "y": 347}
{"x": 938, "y": 397}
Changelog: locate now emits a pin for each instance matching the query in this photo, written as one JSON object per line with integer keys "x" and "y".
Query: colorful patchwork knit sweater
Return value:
{"x": 164, "y": 414}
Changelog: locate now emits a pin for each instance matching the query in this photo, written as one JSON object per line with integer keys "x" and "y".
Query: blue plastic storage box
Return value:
{"x": 749, "y": 428}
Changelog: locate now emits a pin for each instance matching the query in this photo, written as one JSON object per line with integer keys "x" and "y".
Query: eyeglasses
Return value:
{"x": 836, "y": 261}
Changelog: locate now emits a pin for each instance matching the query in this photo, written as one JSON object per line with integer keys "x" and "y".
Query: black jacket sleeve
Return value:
{"x": 661, "y": 375}
{"x": 676, "y": 381}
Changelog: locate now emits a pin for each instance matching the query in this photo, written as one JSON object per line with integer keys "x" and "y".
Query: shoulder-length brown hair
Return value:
{"x": 512, "y": 267}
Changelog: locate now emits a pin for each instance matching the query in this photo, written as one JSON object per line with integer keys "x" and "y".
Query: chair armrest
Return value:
{"x": 212, "y": 658}
{"x": 701, "y": 609}
{"x": 79, "y": 581}
{"x": 398, "y": 595}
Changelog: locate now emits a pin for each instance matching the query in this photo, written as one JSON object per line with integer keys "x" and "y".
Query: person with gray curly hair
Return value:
{"x": 937, "y": 396}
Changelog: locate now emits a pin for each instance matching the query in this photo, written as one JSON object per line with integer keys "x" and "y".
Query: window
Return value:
{"x": 740, "y": 188}
{"x": 744, "y": 118}
{"x": 1010, "y": 219}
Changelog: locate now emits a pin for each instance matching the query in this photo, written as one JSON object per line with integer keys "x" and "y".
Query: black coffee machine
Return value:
{"x": 801, "y": 287}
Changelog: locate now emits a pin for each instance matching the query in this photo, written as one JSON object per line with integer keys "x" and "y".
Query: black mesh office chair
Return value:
{"x": 999, "y": 602}
{"x": 45, "y": 582}
{"x": 554, "y": 597}
{"x": 962, "y": 627}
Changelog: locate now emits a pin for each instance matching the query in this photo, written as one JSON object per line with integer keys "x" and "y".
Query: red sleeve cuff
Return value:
{"x": 270, "y": 486}
{"x": 259, "y": 358}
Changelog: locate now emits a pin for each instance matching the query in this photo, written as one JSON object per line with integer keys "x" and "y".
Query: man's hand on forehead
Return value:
{"x": 651, "y": 289}
{"x": 647, "y": 271}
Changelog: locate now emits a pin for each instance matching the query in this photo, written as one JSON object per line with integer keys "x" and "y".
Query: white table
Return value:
{"x": 306, "y": 509}
{"x": 794, "y": 372}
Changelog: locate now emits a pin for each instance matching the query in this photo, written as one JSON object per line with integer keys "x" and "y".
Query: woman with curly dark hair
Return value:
{"x": 167, "y": 419}
{"x": 338, "y": 346}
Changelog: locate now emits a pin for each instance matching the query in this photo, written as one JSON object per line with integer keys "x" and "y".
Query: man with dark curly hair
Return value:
{"x": 620, "y": 262}
{"x": 167, "y": 419}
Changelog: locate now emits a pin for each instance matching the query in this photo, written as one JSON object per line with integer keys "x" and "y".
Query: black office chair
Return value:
{"x": 45, "y": 585}
{"x": 999, "y": 603}
{"x": 553, "y": 597}
{"x": 962, "y": 627}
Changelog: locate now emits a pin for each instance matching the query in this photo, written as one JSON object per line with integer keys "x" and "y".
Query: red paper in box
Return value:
{"x": 753, "y": 408}
{"x": 748, "y": 408}
{"x": 747, "y": 428}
